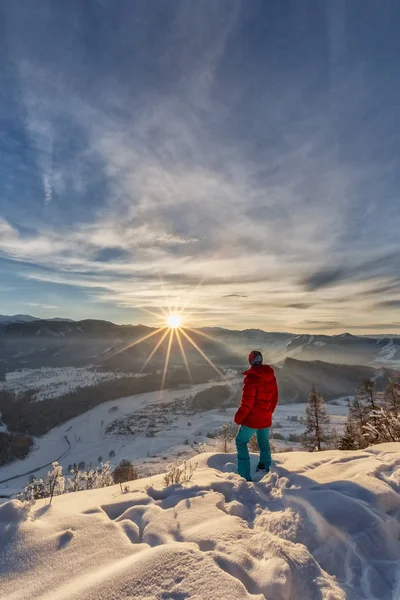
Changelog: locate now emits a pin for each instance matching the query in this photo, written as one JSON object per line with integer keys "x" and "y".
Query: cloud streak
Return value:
{"x": 155, "y": 182}
{"x": 44, "y": 306}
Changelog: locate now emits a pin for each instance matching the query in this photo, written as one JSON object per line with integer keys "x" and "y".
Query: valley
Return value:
{"x": 83, "y": 393}
{"x": 153, "y": 431}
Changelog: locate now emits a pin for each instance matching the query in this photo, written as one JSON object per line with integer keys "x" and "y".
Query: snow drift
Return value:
{"x": 321, "y": 526}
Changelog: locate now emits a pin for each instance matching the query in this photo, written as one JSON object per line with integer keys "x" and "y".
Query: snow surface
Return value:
{"x": 320, "y": 526}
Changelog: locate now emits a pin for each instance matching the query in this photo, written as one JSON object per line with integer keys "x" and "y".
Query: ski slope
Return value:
{"x": 320, "y": 526}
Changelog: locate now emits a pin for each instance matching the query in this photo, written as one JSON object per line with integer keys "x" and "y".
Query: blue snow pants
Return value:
{"x": 242, "y": 439}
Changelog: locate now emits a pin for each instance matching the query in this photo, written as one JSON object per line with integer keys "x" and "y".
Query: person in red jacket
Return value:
{"x": 254, "y": 415}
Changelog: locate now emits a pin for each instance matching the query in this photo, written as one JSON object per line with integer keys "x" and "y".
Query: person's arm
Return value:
{"x": 275, "y": 396}
{"x": 248, "y": 397}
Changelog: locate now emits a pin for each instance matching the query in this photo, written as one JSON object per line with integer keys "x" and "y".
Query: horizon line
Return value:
{"x": 283, "y": 332}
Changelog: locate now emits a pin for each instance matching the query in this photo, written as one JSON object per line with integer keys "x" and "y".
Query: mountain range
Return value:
{"x": 27, "y": 319}
{"x": 28, "y": 342}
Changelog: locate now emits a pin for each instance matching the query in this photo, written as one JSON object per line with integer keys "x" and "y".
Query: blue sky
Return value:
{"x": 239, "y": 158}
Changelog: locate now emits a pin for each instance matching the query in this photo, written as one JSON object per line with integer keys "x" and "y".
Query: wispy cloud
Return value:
{"x": 235, "y": 296}
{"x": 392, "y": 304}
{"x": 150, "y": 188}
{"x": 44, "y": 306}
{"x": 356, "y": 268}
{"x": 300, "y": 305}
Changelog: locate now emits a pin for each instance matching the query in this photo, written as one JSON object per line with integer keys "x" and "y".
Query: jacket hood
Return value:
{"x": 264, "y": 371}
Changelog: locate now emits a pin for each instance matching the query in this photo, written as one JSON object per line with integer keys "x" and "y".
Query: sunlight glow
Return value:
{"x": 185, "y": 360}
{"x": 171, "y": 337}
{"x": 160, "y": 341}
{"x": 173, "y": 316}
{"x": 174, "y": 321}
{"x": 200, "y": 351}
{"x": 135, "y": 343}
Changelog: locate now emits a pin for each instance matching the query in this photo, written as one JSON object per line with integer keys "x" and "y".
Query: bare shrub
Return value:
{"x": 253, "y": 445}
{"x": 125, "y": 471}
{"x": 178, "y": 474}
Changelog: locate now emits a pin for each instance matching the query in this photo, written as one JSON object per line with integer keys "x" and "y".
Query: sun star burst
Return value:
{"x": 174, "y": 321}
{"x": 173, "y": 318}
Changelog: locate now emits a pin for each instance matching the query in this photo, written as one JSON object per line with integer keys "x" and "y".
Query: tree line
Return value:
{"x": 14, "y": 446}
{"x": 55, "y": 482}
{"x": 373, "y": 418}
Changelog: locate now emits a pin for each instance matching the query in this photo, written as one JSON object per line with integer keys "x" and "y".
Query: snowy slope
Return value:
{"x": 390, "y": 353}
{"x": 54, "y": 382}
{"x": 321, "y": 526}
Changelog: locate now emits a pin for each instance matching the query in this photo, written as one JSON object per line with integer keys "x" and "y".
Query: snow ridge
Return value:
{"x": 321, "y": 525}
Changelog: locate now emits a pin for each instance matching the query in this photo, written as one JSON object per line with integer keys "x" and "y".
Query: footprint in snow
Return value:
{"x": 64, "y": 539}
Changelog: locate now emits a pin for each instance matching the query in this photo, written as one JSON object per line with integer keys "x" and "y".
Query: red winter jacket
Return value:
{"x": 259, "y": 398}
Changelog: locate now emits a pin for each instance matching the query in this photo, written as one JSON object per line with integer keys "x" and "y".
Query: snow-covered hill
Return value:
{"x": 320, "y": 526}
{"x": 346, "y": 349}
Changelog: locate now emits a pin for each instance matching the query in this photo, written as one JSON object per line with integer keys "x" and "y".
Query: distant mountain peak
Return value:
{"x": 17, "y": 318}
{"x": 30, "y": 319}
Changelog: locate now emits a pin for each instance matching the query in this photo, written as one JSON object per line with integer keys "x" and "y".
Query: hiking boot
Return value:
{"x": 262, "y": 467}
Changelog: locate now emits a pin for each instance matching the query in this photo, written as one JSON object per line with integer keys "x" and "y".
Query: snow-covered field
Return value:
{"x": 54, "y": 382}
{"x": 168, "y": 428}
{"x": 320, "y": 526}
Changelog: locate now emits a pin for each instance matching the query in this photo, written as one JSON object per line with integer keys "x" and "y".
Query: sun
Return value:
{"x": 172, "y": 329}
{"x": 174, "y": 321}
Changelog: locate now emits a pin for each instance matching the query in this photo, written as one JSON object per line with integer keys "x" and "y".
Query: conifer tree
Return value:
{"x": 362, "y": 415}
{"x": 385, "y": 427}
{"x": 357, "y": 420}
{"x": 349, "y": 439}
{"x": 317, "y": 421}
{"x": 367, "y": 394}
{"x": 391, "y": 398}
{"x": 225, "y": 438}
